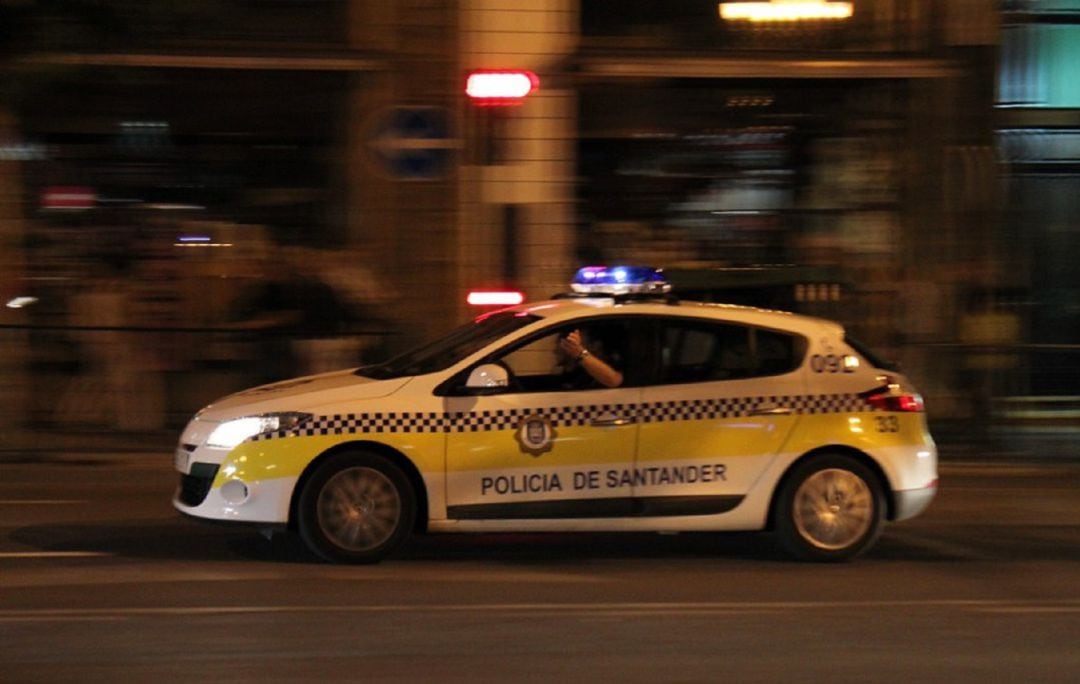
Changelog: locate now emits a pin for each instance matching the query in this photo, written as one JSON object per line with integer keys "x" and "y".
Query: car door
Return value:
{"x": 544, "y": 447}
{"x": 719, "y": 410}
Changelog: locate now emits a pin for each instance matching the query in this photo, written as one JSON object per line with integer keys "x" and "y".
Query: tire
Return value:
{"x": 831, "y": 508}
{"x": 356, "y": 507}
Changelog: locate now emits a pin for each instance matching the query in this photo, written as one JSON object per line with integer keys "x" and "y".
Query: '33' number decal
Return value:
{"x": 887, "y": 423}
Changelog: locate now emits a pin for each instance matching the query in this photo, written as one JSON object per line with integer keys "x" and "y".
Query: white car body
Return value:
{"x": 663, "y": 454}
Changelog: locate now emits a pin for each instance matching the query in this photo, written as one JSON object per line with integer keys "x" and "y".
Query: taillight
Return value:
{"x": 890, "y": 397}
{"x": 897, "y": 403}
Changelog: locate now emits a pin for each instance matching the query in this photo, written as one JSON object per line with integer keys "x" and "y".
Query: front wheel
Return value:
{"x": 831, "y": 508}
{"x": 356, "y": 508}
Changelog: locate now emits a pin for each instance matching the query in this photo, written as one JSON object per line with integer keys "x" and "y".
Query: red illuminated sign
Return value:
{"x": 495, "y": 298}
{"x": 500, "y": 87}
{"x": 68, "y": 198}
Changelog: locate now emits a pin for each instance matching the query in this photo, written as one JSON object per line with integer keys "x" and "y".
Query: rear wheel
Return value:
{"x": 831, "y": 508}
{"x": 356, "y": 508}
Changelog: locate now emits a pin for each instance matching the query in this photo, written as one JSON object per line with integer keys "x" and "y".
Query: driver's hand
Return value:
{"x": 571, "y": 345}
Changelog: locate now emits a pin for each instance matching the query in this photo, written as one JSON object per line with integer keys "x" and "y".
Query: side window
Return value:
{"x": 539, "y": 365}
{"x": 702, "y": 352}
{"x": 536, "y": 366}
{"x": 778, "y": 352}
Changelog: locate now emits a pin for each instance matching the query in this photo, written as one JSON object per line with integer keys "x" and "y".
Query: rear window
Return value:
{"x": 701, "y": 352}
{"x": 864, "y": 351}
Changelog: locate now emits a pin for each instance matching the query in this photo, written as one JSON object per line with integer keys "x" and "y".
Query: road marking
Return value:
{"x": 577, "y": 609}
{"x": 52, "y": 554}
{"x": 1030, "y": 610}
{"x": 41, "y": 502}
{"x": 86, "y": 618}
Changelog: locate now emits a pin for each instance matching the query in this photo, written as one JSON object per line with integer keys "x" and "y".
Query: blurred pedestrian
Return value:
{"x": 367, "y": 303}
{"x": 989, "y": 333}
{"x": 115, "y": 387}
{"x": 290, "y": 310}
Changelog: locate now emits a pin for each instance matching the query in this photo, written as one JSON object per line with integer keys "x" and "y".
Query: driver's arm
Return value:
{"x": 596, "y": 367}
{"x": 599, "y": 369}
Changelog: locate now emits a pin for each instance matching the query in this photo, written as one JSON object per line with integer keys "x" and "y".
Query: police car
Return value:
{"x": 615, "y": 407}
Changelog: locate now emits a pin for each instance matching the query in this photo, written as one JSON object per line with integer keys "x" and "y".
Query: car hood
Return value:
{"x": 301, "y": 394}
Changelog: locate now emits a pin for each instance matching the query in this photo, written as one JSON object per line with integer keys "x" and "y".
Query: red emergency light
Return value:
{"x": 500, "y": 87}
{"x": 495, "y": 298}
{"x": 68, "y": 198}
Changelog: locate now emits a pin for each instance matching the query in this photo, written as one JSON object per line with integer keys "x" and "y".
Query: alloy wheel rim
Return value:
{"x": 833, "y": 509}
{"x": 359, "y": 509}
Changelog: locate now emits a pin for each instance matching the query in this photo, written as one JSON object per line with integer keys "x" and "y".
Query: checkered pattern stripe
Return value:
{"x": 570, "y": 416}
{"x": 560, "y": 416}
{"x": 697, "y": 409}
{"x": 827, "y": 403}
{"x": 736, "y": 407}
{"x": 364, "y": 423}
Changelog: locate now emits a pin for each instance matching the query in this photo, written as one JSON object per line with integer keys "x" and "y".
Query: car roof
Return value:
{"x": 576, "y": 307}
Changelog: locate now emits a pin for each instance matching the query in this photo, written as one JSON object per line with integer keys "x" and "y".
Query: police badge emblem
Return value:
{"x": 535, "y": 434}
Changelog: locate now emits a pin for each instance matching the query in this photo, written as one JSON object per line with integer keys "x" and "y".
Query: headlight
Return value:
{"x": 232, "y": 432}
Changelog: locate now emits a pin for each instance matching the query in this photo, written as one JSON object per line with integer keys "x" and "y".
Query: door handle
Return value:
{"x": 612, "y": 422}
{"x": 771, "y": 411}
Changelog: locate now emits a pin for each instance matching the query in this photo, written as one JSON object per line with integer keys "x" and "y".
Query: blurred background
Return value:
{"x": 199, "y": 196}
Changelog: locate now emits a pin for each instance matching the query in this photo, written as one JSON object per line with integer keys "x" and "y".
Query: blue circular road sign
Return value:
{"x": 413, "y": 143}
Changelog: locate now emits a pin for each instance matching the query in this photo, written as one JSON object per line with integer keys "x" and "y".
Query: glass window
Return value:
{"x": 864, "y": 351}
{"x": 1040, "y": 66}
{"x": 446, "y": 351}
{"x": 694, "y": 351}
{"x": 540, "y": 365}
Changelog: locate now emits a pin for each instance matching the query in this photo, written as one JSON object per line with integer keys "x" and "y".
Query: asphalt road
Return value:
{"x": 101, "y": 581}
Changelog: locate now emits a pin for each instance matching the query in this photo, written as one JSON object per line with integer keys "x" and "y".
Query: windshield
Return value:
{"x": 446, "y": 351}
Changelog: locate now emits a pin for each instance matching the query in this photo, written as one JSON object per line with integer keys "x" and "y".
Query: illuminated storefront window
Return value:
{"x": 1040, "y": 66}
{"x": 1038, "y": 98}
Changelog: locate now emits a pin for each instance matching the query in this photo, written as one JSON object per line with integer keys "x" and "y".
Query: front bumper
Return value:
{"x": 195, "y": 485}
{"x": 203, "y": 493}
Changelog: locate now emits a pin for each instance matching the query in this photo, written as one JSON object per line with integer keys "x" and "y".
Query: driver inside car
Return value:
{"x": 578, "y": 353}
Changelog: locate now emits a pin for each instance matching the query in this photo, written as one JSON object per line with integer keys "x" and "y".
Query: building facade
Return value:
{"x": 338, "y": 132}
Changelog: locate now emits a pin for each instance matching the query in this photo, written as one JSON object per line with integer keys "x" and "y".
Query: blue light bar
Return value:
{"x": 615, "y": 280}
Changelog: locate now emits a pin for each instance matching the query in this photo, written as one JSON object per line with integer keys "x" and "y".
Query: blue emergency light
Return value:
{"x": 618, "y": 280}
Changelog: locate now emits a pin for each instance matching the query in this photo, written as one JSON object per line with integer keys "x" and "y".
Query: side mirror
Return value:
{"x": 488, "y": 377}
